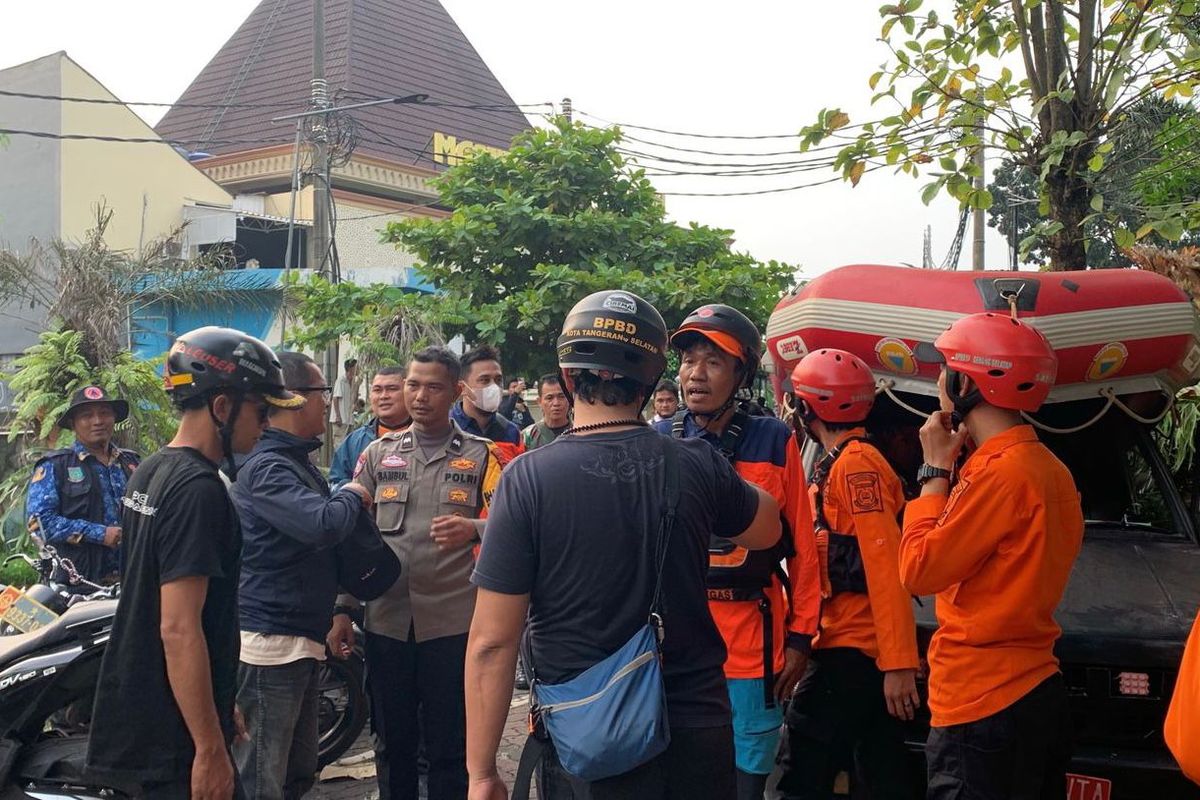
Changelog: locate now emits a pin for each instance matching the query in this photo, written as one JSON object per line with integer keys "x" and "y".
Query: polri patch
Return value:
{"x": 463, "y": 463}
{"x": 865, "y": 495}
{"x": 459, "y": 496}
{"x": 389, "y": 493}
{"x": 393, "y": 461}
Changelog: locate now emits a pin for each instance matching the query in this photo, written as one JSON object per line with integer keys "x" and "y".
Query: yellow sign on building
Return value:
{"x": 450, "y": 150}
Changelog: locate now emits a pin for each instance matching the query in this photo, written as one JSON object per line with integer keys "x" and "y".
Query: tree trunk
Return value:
{"x": 1070, "y": 202}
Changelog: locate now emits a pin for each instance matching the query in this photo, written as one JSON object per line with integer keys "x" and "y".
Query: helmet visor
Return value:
{"x": 721, "y": 339}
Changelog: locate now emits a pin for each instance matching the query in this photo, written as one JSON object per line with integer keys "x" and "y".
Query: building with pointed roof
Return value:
{"x": 373, "y": 49}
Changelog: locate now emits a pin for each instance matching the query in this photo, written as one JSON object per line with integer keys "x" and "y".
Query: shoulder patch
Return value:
{"x": 358, "y": 465}
{"x": 38, "y": 474}
{"x": 865, "y": 494}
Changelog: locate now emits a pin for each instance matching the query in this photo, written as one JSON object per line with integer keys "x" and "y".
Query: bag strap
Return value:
{"x": 667, "y": 522}
{"x": 821, "y": 475}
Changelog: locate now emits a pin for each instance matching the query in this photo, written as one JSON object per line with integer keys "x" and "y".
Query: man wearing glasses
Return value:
{"x": 290, "y": 525}
{"x": 388, "y": 414}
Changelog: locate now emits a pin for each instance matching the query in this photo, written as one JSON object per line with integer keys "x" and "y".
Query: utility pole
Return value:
{"x": 566, "y": 109}
{"x": 319, "y": 242}
{"x": 318, "y": 253}
{"x": 977, "y": 254}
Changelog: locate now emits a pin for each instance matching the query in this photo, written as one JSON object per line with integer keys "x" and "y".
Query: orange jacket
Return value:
{"x": 1182, "y": 729}
{"x": 997, "y": 552}
{"x": 768, "y": 457}
{"x": 863, "y": 498}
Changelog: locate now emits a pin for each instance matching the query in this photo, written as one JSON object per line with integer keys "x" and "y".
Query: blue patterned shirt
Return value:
{"x": 42, "y": 504}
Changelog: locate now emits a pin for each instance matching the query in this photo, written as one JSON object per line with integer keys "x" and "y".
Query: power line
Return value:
{"x": 98, "y": 101}
{"x": 299, "y": 103}
{"x": 125, "y": 139}
{"x": 797, "y": 187}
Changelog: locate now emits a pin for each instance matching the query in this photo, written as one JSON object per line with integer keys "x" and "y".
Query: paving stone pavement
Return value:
{"x": 365, "y": 788}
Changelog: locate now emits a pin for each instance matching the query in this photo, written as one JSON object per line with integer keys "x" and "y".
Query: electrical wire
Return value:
{"x": 797, "y": 187}
{"x": 128, "y": 140}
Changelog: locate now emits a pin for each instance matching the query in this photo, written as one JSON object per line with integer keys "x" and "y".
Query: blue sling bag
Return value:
{"x": 612, "y": 717}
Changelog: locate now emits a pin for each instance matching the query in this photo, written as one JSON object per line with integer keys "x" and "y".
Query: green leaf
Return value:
{"x": 1097, "y": 203}
{"x": 1096, "y": 163}
{"x": 1124, "y": 238}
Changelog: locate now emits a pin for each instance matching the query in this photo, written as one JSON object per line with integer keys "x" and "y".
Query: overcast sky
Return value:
{"x": 760, "y": 67}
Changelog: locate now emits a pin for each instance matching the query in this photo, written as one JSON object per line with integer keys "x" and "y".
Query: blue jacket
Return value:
{"x": 289, "y": 530}
{"x": 346, "y": 456}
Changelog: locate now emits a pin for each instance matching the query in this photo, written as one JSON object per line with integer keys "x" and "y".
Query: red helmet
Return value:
{"x": 1010, "y": 361}
{"x": 838, "y": 386}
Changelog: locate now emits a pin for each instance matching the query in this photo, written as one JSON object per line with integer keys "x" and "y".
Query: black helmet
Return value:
{"x": 727, "y": 328}
{"x": 617, "y": 332}
{"x": 210, "y": 359}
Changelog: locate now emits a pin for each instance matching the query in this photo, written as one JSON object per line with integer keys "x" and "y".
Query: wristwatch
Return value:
{"x": 928, "y": 472}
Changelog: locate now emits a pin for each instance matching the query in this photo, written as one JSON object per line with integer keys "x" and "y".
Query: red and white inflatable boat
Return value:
{"x": 1117, "y": 332}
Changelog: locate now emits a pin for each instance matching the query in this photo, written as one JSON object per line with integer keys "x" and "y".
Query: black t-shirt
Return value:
{"x": 573, "y": 525}
{"x": 178, "y": 522}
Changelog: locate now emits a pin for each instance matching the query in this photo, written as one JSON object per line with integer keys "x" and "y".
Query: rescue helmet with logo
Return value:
{"x": 614, "y": 332}
{"x": 837, "y": 386}
{"x": 1010, "y": 362}
{"x": 728, "y": 329}
{"x": 209, "y": 360}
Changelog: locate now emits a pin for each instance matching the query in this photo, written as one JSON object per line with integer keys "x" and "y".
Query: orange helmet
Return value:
{"x": 837, "y": 386}
{"x": 1010, "y": 361}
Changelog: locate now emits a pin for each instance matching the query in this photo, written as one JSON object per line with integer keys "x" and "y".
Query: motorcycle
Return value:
{"x": 52, "y": 639}
{"x": 51, "y": 642}
{"x": 342, "y": 702}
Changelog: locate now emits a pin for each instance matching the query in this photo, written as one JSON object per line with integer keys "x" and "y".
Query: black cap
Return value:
{"x": 93, "y": 394}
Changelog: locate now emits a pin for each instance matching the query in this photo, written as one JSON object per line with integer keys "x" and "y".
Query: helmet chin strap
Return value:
{"x": 713, "y": 416}
{"x": 963, "y": 403}
{"x": 225, "y": 430}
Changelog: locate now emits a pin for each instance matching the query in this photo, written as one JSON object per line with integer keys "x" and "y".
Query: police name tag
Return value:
{"x": 23, "y": 612}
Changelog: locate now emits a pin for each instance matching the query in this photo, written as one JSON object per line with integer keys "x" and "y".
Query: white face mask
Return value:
{"x": 487, "y": 399}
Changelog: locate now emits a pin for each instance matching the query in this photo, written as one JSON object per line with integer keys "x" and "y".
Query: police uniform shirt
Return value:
{"x": 433, "y": 596}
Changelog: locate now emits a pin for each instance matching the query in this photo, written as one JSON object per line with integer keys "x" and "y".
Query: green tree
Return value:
{"x": 558, "y": 216}
{"x": 386, "y": 323}
{"x": 1086, "y": 64}
{"x": 1152, "y": 166}
{"x": 90, "y": 293}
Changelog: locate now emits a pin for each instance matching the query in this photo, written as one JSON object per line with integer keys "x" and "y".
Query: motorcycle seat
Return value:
{"x": 17, "y": 646}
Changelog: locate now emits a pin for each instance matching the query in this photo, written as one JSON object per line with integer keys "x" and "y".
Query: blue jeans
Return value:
{"x": 279, "y": 704}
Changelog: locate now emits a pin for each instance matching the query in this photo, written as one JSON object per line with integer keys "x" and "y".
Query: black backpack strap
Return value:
{"x": 821, "y": 475}
{"x": 532, "y": 755}
{"x": 677, "y": 423}
{"x": 732, "y": 434}
{"x": 667, "y": 523}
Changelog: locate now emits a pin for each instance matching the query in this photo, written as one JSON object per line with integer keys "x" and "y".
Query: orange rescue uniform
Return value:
{"x": 863, "y": 497}
{"x": 997, "y": 553}
{"x": 1182, "y": 730}
{"x": 768, "y": 457}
